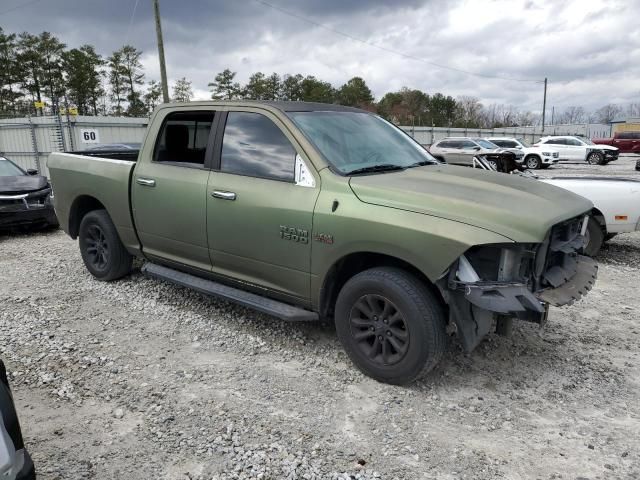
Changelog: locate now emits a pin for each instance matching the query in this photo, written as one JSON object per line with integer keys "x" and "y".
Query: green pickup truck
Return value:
{"x": 313, "y": 211}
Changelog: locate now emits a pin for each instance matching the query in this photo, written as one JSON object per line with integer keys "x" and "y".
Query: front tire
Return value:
{"x": 594, "y": 238}
{"x": 102, "y": 250}
{"x": 533, "y": 162}
{"x": 391, "y": 326}
{"x": 595, "y": 158}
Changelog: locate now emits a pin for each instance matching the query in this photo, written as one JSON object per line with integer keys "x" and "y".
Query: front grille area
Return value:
{"x": 32, "y": 200}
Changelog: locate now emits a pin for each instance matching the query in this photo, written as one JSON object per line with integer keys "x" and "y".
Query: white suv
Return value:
{"x": 580, "y": 149}
{"x": 534, "y": 156}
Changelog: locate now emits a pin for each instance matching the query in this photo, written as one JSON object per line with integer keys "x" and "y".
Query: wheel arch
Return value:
{"x": 353, "y": 263}
{"x": 599, "y": 217}
{"x": 79, "y": 208}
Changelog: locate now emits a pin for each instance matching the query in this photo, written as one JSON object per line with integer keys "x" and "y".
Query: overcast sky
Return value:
{"x": 589, "y": 50}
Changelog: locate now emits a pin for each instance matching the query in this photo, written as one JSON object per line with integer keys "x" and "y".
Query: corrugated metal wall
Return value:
{"x": 29, "y": 141}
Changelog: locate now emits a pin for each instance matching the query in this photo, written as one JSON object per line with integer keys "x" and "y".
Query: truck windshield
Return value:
{"x": 8, "y": 169}
{"x": 354, "y": 142}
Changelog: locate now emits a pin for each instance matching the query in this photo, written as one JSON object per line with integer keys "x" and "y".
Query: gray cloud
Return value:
{"x": 590, "y": 51}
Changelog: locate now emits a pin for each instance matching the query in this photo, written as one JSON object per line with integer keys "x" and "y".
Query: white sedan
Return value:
{"x": 616, "y": 205}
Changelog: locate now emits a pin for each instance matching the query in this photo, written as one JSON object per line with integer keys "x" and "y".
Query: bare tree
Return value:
{"x": 468, "y": 112}
{"x": 607, "y": 113}
{"x": 573, "y": 115}
{"x": 633, "y": 110}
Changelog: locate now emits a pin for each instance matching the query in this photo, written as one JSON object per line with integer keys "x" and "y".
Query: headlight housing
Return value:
{"x": 498, "y": 263}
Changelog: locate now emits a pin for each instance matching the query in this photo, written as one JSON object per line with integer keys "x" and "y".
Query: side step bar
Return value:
{"x": 215, "y": 289}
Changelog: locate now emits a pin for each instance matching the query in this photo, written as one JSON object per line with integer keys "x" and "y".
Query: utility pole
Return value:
{"x": 163, "y": 68}
{"x": 544, "y": 102}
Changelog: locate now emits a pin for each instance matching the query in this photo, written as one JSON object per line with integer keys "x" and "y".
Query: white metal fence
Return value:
{"x": 29, "y": 141}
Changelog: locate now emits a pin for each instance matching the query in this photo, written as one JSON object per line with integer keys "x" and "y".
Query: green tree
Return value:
{"x": 314, "y": 90}
{"x": 134, "y": 77}
{"x": 272, "y": 85}
{"x": 9, "y": 73}
{"x": 256, "y": 87}
{"x": 223, "y": 87}
{"x": 50, "y": 50}
{"x": 30, "y": 65}
{"x": 152, "y": 96}
{"x": 291, "y": 88}
{"x": 442, "y": 110}
{"x": 83, "y": 78}
{"x": 391, "y": 107}
{"x": 182, "y": 91}
{"x": 355, "y": 93}
{"x": 116, "y": 81}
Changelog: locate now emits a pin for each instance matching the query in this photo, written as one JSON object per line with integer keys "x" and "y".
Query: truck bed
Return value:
{"x": 99, "y": 177}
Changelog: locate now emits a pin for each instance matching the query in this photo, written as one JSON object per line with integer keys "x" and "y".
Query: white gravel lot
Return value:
{"x": 139, "y": 379}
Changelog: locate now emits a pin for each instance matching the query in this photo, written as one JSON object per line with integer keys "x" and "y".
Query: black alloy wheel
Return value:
{"x": 379, "y": 329}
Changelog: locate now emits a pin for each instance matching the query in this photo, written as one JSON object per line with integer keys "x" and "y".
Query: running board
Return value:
{"x": 266, "y": 305}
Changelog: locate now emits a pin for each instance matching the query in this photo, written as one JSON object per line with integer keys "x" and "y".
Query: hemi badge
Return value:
{"x": 621, "y": 217}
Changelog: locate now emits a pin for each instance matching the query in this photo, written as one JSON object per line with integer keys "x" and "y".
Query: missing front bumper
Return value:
{"x": 474, "y": 306}
{"x": 583, "y": 280}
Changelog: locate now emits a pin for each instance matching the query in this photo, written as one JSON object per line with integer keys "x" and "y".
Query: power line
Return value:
{"x": 389, "y": 50}
{"x": 133, "y": 14}
{"x": 20, "y": 6}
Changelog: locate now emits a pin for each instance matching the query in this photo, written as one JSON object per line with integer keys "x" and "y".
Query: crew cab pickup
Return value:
{"x": 626, "y": 142}
{"x": 312, "y": 211}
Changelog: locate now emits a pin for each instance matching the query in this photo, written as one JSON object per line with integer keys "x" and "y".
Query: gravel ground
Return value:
{"x": 139, "y": 379}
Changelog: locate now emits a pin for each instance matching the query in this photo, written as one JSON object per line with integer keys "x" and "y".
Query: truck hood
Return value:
{"x": 22, "y": 184}
{"x": 521, "y": 209}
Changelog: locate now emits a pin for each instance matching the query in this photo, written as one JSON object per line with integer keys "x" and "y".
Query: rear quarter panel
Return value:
{"x": 106, "y": 180}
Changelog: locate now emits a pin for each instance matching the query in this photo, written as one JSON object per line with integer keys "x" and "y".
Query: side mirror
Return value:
{"x": 32, "y": 171}
{"x": 476, "y": 148}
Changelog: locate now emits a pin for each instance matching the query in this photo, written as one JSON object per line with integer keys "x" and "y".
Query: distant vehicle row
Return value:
{"x": 544, "y": 153}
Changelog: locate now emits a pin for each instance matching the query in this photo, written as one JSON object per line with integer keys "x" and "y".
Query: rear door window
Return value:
{"x": 254, "y": 146}
{"x": 183, "y": 138}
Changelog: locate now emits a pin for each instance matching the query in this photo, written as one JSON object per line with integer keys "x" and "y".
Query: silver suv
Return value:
{"x": 461, "y": 150}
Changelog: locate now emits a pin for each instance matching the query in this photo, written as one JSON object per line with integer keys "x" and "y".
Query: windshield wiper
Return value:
{"x": 383, "y": 167}
{"x": 423, "y": 163}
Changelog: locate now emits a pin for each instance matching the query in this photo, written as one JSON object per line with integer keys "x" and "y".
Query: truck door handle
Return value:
{"x": 223, "y": 195}
{"x": 147, "y": 182}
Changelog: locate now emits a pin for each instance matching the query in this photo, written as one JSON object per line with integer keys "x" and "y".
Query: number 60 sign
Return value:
{"x": 89, "y": 135}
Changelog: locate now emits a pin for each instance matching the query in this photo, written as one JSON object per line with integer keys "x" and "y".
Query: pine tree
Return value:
{"x": 223, "y": 87}
{"x": 182, "y": 91}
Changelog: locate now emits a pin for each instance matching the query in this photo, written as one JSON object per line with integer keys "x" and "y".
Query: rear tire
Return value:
{"x": 102, "y": 250}
{"x": 594, "y": 238}
{"x": 391, "y": 326}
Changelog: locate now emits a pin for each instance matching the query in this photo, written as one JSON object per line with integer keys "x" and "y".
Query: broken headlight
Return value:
{"x": 498, "y": 263}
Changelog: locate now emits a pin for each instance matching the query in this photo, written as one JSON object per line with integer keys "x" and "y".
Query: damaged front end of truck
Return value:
{"x": 497, "y": 283}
